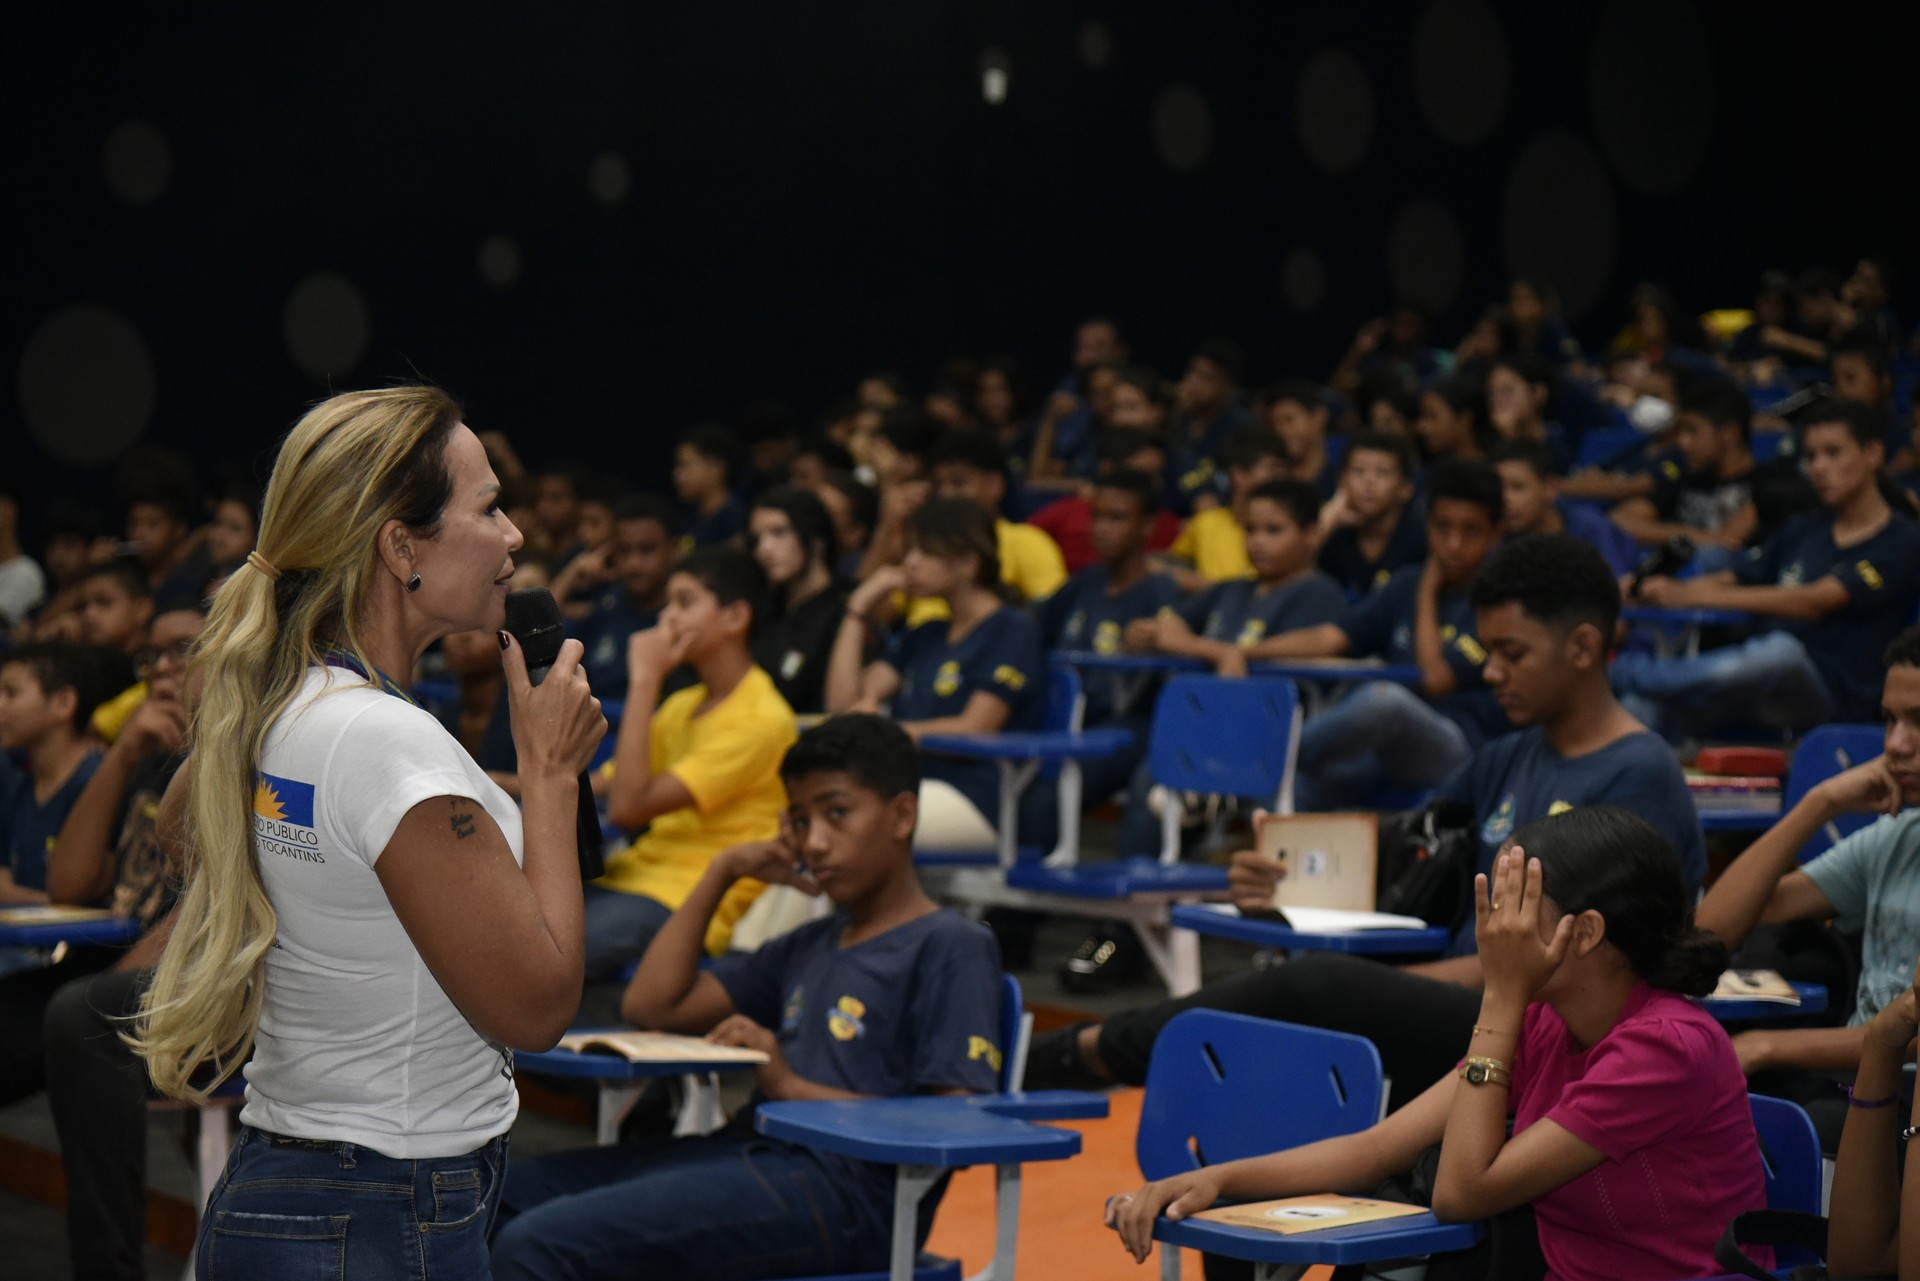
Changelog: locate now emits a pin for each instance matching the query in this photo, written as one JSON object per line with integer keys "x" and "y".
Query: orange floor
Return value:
{"x": 1060, "y": 1230}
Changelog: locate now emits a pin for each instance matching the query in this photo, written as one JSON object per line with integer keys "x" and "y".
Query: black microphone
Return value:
{"x": 533, "y": 616}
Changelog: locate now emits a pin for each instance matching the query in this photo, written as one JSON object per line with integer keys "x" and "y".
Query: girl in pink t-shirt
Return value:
{"x": 1632, "y": 1138}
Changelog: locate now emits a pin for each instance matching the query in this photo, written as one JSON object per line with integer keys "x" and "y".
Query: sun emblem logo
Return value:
{"x": 266, "y": 802}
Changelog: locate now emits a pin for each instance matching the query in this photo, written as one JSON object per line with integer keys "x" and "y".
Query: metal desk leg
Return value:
{"x": 911, "y": 1183}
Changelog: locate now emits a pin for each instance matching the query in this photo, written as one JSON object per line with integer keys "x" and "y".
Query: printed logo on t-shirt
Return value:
{"x": 796, "y": 1003}
{"x": 1792, "y": 575}
{"x": 1499, "y": 824}
{"x": 1106, "y": 637}
{"x": 791, "y": 664}
{"x": 844, "y": 1020}
{"x": 1251, "y": 633}
{"x": 947, "y": 679}
{"x": 979, "y": 1047}
{"x": 283, "y": 818}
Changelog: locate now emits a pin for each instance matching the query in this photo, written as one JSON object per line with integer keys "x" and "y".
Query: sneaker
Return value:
{"x": 1104, "y": 961}
{"x": 1054, "y": 1062}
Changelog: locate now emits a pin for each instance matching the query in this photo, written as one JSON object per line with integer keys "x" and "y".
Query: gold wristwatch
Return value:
{"x": 1481, "y": 1071}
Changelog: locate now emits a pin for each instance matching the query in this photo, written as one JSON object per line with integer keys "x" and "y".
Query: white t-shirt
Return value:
{"x": 357, "y": 1040}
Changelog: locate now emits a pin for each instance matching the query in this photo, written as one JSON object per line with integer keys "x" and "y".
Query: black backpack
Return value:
{"x": 1427, "y": 861}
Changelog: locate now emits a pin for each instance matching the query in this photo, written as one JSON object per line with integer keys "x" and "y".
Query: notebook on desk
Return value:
{"x": 1331, "y": 859}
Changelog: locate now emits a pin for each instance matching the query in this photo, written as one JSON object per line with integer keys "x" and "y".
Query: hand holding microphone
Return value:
{"x": 557, "y": 723}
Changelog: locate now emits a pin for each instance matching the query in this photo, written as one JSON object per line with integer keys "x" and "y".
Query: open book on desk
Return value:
{"x": 659, "y": 1047}
{"x": 51, "y": 914}
{"x": 1297, "y": 1214}
{"x": 1325, "y": 920}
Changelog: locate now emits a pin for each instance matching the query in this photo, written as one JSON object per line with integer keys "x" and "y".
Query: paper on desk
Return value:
{"x": 659, "y": 1047}
{"x": 1754, "y": 985}
{"x": 1297, "y": 1214}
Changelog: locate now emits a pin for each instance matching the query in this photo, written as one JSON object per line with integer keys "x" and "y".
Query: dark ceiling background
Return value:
{"x": 598, "y": 224}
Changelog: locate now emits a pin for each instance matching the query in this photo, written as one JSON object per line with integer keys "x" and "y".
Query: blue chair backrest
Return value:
{"x": 1231, "y": 737}
{"x": 1012, "y": 1011}
{"x": 1790, "y": 1151}
{"x": 1066, "y": 703}
{"x": 1823, "y": 753}
{"x": 1225, "y": 1086}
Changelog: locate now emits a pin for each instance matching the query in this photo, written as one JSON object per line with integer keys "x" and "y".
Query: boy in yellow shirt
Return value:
{"x": 1214, "y": 543}
{"x": 701, "y": 772}
{"x": 971, "y": 463}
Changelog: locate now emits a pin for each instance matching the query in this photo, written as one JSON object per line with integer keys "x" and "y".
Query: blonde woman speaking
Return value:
{"x": 364, "y": 911}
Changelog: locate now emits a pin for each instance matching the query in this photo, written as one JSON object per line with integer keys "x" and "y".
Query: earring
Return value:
{"x": 413, "y": 584}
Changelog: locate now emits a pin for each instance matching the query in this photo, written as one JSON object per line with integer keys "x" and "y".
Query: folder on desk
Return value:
{"x": 1331, "y": 860}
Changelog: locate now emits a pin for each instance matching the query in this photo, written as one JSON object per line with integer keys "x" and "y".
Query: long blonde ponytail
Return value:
{"x": 353, "y": 463}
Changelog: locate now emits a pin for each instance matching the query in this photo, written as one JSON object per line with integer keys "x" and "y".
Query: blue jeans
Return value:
{"x": 718, "y": 1206}
{"x": 1378, "y": 735}
{"x": 619, "y": 926}
{"x": 307, "y": 1210}
{"x": 1768, "y": 680}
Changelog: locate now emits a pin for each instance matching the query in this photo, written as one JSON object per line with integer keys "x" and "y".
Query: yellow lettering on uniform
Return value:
{"x": 1010, "y": 676}
{"x": 1558, "y": 807}
{"x": 1471, "y": 648}
{"x": 979, "y": 1047}
{"x": 1869, "y": 575}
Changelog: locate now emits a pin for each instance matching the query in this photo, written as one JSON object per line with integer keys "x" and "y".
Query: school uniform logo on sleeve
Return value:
{"x": 1868, "y": 574}
{"x": 1559, "y": 807}
{"x": 791, "y": 664}
{"x": 283, "y": 818}
{"x": 1010, "y": 676}
{"x": 1471, "y": 650}
{"x": 846, "y": 1020}
{"x": 979, "y": 1047}
{"x": 947, "y": 679}
{"x": 1499, "y": 824}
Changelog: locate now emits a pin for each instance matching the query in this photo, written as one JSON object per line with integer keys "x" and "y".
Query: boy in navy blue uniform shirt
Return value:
{"x": 1372, "y": 526}
{"x": 1531, "y": 491}
{"x": 641, "y": 558}
{"x": 1383, "y": 734}
{"x": 890, "y": 995}
{"x": 981, "y": 670}
{"x": 48, "y": 691}
{"x": 1223, "y": 622}
{"x": 1091, "y": 613}
{"x": 1838, "y": 583}
{"x": 706, "y": 469}
{"x": 1547, "y": 607}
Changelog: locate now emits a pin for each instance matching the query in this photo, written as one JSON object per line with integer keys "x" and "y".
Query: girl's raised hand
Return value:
{"x": 1507, "y": 911}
